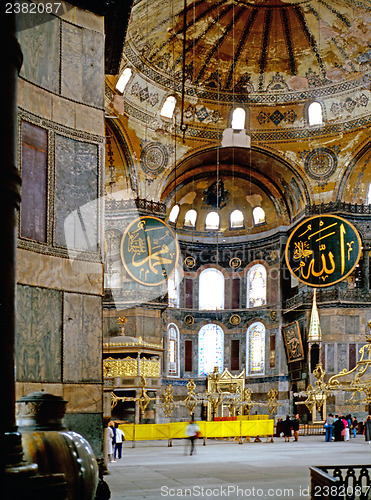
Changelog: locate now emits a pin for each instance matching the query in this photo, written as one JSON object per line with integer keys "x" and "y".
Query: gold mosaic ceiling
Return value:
{"x": 252, "y": 47}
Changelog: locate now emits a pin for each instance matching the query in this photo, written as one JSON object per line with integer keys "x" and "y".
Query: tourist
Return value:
{"x": 354, "y": 426}
{"x": 287, "y": 426}
{"x": 120, "y": 437}
{"x": 192, "y": 432}
{"x": 109, "y": 442}
{"x": 295, "y": 427}
{"x": 329, "y": 425}
{"x": 367, "y": 429}
{"x": 338, "y": 427}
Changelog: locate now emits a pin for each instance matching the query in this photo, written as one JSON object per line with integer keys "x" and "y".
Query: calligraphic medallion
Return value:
{"x": 149, "y": 250}
{"x": 235, "y": 319}
{"x": 235, "y": 262}
{"x": 323, "y": 250}
{"x": 189, "y": 262}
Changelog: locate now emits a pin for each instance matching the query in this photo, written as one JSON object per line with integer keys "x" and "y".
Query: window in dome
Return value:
{"x": 173, "y": 351}
{"x": 315, "y": 114}
{"x": 123, "y": 80}
{"x": 174, "y": 213}
{"x": 190, "y": 218}
{"x": 238, "y": 119}
{"x": 257, "y": 286}
{"x": 210, "y": 349}
{"x": 236, "y": 219}
{"x": 212, "y": 221}
{"x": 173, "y": 289}
{"x": 368, "y": 197}
{"x": 211, "y": 290}
{"x": 167, "y": 110}
{"x": 258, "y": 215}
{"x": 255, "y": 349}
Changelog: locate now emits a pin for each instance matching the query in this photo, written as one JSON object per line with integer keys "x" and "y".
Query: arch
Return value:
{"x": 210, "y": 349}
{"x": 256, "y": 282}
{"x": 255, "y": 349}
{"x": 190, "y": 218}
{"x": 123, "y": 80}
{"x": 315, "y": 113}
{"x": 258, "y": 216}
{"x": 212, "y": 221}
{"x": 174, "y": 213}
{"x": 238, "y": 119}
{"x": 168, "y": 107}
{"x": 172, "y": 350}
{"x": 211, "y": 289}
{"x": 236, "y": 219}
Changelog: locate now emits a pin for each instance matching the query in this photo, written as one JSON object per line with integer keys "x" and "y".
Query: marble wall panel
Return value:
{"x": 82, "y": 65}
{"x": 83, "y": 398}
{"x": 88, "y": 425}
{"x": 38, "y": 335}
{"x": 63, "y": 274}
{"x": 41, "y": 49}
{"x": 82, "y": 346}
{"x": 76, "y": 194}
{"x": 342, "y": 357}
{"x": 25, "y": 388}
{"x": 352, "y": 324}
{"x": 330, "y": 358}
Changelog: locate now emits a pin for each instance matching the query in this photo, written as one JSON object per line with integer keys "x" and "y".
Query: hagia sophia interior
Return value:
{"x": 168, "y": 150}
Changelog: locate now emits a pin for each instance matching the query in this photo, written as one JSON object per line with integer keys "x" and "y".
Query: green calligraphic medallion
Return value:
{"x": 323, "y": 250}
{"x": 149, "y": 251}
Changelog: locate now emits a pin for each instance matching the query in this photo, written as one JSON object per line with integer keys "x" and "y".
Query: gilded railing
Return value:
{"x": 128, "y": 367}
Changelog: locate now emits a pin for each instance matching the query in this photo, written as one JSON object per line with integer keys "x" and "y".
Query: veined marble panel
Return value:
{"x": 62, "y": 274}
{"x": 38, "y": 335}
{"x": 83, "y": 398}
{"x": 82, "y": 346}
{"x": 40, "y": 44}
{"x": 76, "y": 194}
{"x": 25, "y": 388}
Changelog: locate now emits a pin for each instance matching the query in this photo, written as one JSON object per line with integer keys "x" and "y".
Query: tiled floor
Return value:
{"x": 225, "y": 469}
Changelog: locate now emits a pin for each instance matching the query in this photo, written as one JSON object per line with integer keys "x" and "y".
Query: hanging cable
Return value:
{"x": 183, "y": 126}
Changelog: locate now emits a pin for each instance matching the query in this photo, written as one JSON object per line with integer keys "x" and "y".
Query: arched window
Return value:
{"x": 168, "y": 107}
{"x": 212, "y": 221}
{"x": 368, "y": 197}
{"x": 211, "y": 290}
{"x": 238, "y": 119}
{"x": 255, "y": 349}
{"x": 315, "y": 114}
{"x": 236, "y": 219}
{"x": 174, "y": 213}
{"x": 173, "y": 289}
{"x": 173, "y": 351}
{"x": 123, "y": 80}
{"x": 210, "y": 349}
{"x": 257, "y": 286}
{"x": 258, "y": 215}
{"x": 190, "y": 218}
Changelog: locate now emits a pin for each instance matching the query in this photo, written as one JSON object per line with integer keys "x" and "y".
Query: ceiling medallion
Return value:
{"x": 235, "y": 320}
{"x": 235, "y": 263}
{"x": 154, "y": 158}
{"x": 189, "y": 320}
{"x": 190, "y": 262}
{"x": 320, "y": 163}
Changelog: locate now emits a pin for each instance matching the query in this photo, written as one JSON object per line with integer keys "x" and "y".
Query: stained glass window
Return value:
{"x": 173, "y": 351}
{"x": 257, "y": 286}
{"x": 210, "y": 349}
{"x": 211, "y": 290}
{"x": 255, "y": 349}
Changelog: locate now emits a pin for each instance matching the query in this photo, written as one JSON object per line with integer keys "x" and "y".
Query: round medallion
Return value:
{"x": 189, "y": 262}
{"x": 235, "y": 263}
{"x": 189, "y": 320}
{"x": 154, "y": 158}
{"x": 235, "y": 319}
{"x": 149, "y": 250}
{"x": 273, "y": 315}
{"x": 320, "y": 163}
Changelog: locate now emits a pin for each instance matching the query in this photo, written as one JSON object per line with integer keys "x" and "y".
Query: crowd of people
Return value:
{"x": 340, "y": 428}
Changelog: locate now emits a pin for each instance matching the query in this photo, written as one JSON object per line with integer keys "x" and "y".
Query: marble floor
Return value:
{"x": 228, "y": 470}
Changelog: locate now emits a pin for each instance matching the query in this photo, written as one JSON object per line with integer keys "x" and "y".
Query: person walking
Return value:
{"x": 295, "y": 427}
{"x": 354, "y": 426}
{"x": 329, "y": 426}
{"x": 120, "y": 437}
{"x": 287, "y": 426}
{"x": 367, "y": 430}
{"x": 192, "y": 432}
